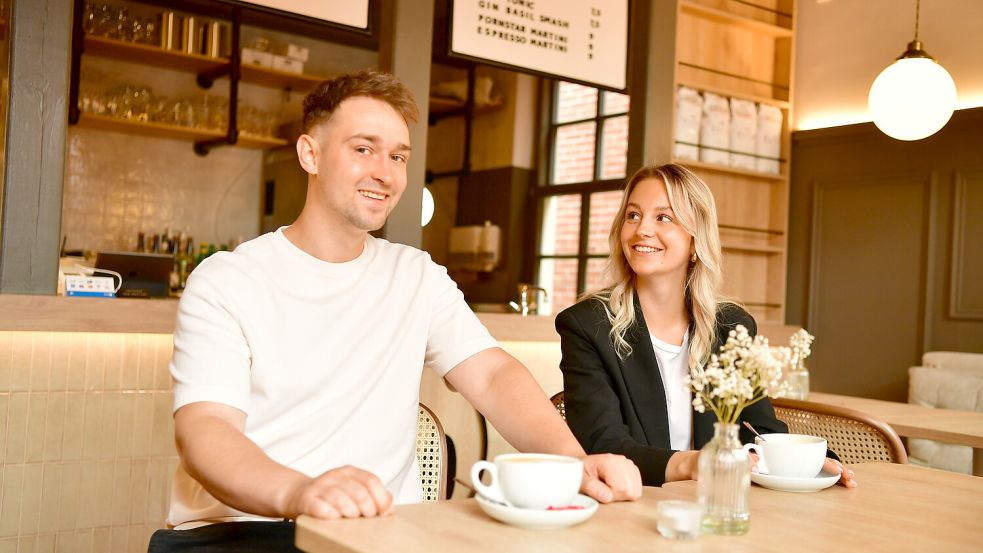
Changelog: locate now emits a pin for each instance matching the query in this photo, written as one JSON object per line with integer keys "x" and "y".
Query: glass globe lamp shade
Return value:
{"x": 428, "y": 206}
{"x": 912, "y": 98}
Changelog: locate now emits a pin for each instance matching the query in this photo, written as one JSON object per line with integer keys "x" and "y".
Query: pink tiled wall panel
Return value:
{"x": 86, "y": 440}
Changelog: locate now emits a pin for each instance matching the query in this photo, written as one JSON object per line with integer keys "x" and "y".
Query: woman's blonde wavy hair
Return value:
{"x": 693, "y": 204}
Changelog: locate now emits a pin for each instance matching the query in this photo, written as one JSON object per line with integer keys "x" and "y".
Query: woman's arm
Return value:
{"x": 593, "y": 407}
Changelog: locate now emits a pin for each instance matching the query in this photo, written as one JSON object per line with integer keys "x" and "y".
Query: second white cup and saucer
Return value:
{"x": 534, "y": 491}
{"x": 791, "y": 463}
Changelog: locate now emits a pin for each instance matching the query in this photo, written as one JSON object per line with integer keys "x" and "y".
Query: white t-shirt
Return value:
{"x": 324, "y": 358}
{"x": 674, "y": 366}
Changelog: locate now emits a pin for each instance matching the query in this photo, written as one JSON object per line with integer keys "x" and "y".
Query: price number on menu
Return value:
{"x": 595, "y": 23}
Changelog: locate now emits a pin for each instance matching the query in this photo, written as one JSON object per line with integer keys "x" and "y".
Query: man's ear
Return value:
{"x": 307, "y": 153}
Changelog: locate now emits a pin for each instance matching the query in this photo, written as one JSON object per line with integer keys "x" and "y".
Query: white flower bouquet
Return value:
{"x": 801, "y": 346}
{"x": 746, "y": 371}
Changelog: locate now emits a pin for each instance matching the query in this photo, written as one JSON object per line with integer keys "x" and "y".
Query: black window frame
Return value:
{"x": 546, "y": 189}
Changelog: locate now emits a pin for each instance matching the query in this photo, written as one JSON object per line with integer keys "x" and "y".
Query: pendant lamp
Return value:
{"x": 914, "y": 97}
{"x": 428, "y": 206}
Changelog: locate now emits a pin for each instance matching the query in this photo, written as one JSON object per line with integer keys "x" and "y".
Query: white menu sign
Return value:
{"x": 354, "y": 13}
{"x": 582, "y": 40}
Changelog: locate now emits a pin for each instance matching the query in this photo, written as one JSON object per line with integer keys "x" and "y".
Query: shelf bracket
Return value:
{"x": 206, "y": 79}
{"x": 234, "y": 70}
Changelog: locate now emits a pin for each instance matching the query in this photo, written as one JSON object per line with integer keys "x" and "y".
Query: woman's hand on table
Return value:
{"x": 846, "y": 475}
{"x": 609, "y": 477}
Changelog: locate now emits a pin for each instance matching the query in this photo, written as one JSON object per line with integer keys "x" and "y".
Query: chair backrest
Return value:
{"x": 854, "y": 436}
{"x": 431, "y": 453}
{"x": 561, "y": 406}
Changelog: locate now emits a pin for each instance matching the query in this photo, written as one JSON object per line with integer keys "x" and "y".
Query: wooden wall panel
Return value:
{"x": 966, "y": 291}
{"x": 867, "y": 256}
{"x": 828, "y": 281}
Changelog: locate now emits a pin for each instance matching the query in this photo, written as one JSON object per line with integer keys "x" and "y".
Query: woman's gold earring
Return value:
{"x": 693, "y": 259}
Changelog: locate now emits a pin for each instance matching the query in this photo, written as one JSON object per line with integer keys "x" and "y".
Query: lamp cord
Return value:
{"x": 918, "y": 4}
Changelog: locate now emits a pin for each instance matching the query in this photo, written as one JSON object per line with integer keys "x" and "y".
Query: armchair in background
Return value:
{"x": 945, "y": 380}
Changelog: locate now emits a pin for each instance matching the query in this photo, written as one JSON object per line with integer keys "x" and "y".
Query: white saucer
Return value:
{"x": 790, "y": 484}
{"x": 536, "y": 519}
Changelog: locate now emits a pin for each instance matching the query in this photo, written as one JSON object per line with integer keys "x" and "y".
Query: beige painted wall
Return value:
{"x": 841, "y": 45}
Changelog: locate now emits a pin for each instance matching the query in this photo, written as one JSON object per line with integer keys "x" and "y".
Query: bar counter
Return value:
{"x": 156, "y": 316}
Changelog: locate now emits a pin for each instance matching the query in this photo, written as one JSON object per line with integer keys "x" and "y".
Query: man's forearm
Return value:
{"x": 231, "y": 467}
{"x": 518, "y": 409}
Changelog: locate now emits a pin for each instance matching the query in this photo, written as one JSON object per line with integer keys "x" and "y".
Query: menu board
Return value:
{"x": 577, "y": 40}
{"x": 353, "y": 13}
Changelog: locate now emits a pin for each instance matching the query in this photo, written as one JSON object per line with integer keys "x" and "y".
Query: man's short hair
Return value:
{"x": 321, "y": 103}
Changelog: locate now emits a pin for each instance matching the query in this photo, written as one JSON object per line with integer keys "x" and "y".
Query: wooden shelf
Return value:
{"x": 448, "y": 106}
{"x": 174, "y": 132}
{"x": 150, "y": 55}
{"x": 723, "y": 91}
{"x": 274, "y": 78}
{"x": 194, "y": 63}
{"x": 753, "y": 248}
{"x": 706, "y": 12}
{"x": 693, "y": 164}
{"x": 262, "y": 142}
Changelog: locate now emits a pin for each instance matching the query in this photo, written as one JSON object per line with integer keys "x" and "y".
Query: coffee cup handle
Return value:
{"x": 762, "y": 467}
{"x": 492, "y": 490}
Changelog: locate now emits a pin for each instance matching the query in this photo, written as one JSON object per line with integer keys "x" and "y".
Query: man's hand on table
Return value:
{"x": 846, "y": 475}
{"x": 610, "y": 478}
{"x": 345, "y": 492}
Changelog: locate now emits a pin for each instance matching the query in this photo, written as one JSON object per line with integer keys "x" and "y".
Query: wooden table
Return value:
{"x": 895, "y": 508}
{"x": 914, "y": 421}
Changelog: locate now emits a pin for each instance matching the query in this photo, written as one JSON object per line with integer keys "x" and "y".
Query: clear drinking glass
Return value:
{"x": 725, "y": 482}
{"x": 679, "y": 520}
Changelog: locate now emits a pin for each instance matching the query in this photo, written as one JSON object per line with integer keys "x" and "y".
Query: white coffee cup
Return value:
{"x": 530, "y": 480}
{"x": 790, "y": 455}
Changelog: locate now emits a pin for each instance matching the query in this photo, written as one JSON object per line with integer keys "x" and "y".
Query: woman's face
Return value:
{"x": 653, "y": 241}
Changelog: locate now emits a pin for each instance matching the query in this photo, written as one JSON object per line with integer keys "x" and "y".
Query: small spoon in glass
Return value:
{"x": 751, "y": 428}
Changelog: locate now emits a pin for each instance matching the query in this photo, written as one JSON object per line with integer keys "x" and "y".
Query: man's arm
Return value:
{"x": 215, "y": 452}
{"x": 503, "y": 391}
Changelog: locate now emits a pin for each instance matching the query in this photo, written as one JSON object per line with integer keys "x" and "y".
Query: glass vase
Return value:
{"x": 798, "y": 381}
{"x": 724, "y": 482}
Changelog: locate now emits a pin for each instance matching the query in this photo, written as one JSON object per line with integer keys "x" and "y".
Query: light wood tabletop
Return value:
{"x": 895, "y": 508}
{"x": 915, "y": 421}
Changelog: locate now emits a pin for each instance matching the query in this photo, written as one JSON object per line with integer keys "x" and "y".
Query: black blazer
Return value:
{"x": 619, "y": 406}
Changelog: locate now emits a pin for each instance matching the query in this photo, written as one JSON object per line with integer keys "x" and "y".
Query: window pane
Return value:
{"x": 615, "y": 103}
{"x": 595, "y": 274}
{"x": 614, "y": 148}
{"x": 603, "y": 207}
{"x": 561, "y": 225}
{"x": 575, "y": 102}
{"x": 573, "y": 153}
{"x": 559, "y": 278}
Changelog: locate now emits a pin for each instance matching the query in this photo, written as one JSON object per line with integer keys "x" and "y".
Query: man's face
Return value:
{"x": 361, "y": 163}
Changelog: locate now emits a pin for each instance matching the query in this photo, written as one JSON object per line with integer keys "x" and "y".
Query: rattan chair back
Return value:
{"x": 431, "y": 454}
{"x": 854, "y": 436}
{"x": 561, "y": 406}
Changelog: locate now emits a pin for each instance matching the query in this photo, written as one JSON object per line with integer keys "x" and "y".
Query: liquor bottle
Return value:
{"x": 185, "y": 262}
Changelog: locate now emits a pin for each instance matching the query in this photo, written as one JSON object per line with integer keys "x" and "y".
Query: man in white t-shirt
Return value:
{"x": 298, "y": 357}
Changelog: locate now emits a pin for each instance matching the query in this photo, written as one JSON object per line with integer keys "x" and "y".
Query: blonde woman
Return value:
{"x": 627, "y": 348}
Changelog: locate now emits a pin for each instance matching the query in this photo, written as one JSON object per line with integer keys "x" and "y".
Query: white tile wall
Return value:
{"x": 117, "y": 185}
{"x": 86, "y": 440}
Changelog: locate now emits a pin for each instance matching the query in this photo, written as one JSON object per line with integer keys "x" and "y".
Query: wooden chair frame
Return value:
{"x": 559, "y": 404}
{"x": 891, "y": 440}
{"x": 430, "y": 435}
